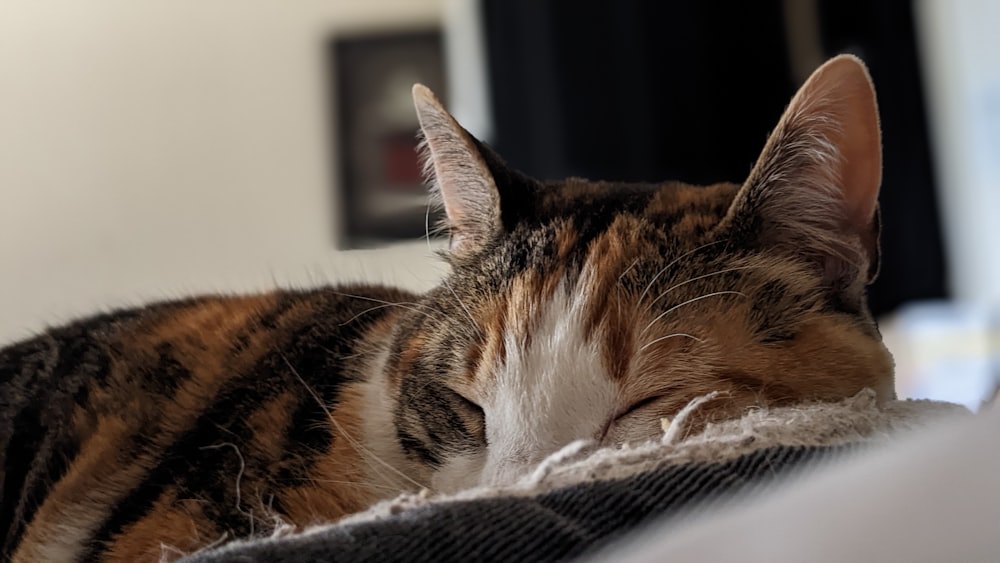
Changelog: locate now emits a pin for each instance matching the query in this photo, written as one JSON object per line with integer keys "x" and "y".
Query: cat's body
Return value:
{"x": 192, "y": 421}
{"x": 574, "y": 310}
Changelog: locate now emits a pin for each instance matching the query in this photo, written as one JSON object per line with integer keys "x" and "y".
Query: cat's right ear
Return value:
{"x": 814, "y": 189}
{"x": 458, "y": 174}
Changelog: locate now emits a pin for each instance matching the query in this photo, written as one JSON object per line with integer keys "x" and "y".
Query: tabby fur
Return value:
{"x": 574, "y": 309}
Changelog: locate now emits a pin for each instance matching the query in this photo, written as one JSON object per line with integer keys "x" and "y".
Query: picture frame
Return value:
{"x": 380, "y": 190}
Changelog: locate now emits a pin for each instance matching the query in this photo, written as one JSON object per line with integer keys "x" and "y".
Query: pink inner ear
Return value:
{"x": 859, "y": 141}
{"x": 829, "y": 139}
{"x": 463, "y": 180}
{"x": 843, "y": 87}
{"x": 817, "y": 181}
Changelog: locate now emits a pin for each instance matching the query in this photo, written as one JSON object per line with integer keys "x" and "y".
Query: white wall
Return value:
{"x": 165, "y": 147}
{"x": 961, "y": 55}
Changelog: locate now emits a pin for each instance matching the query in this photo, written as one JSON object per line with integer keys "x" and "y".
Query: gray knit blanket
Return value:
{"x": 580, "y": 499}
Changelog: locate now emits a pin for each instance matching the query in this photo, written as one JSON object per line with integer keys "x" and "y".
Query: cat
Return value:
{"x": 574, "y": 309}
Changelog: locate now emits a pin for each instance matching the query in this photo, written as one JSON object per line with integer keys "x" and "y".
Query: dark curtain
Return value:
{"x": 652, "y": 90}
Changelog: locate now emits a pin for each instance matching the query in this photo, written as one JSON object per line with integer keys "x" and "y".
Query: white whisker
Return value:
{"x": 648, "y": 344}
{"x": 468, "y": 313}
{"x": 618, "y": 294}
{"x": 672, "y": 262}
{"x": 408, "y": 305}
{"x": 694, "y": 279}
{"x": 427, "y": 224}
{"x": 627, "y": 270}
{"x": 689, "y": 301}
{"x": 344, "y": 432}
{"x": 402, "y": 305}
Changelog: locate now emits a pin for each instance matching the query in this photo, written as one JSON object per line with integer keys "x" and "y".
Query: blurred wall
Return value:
{"x": 160, "y": 148}
{"x": 961, "y": 54}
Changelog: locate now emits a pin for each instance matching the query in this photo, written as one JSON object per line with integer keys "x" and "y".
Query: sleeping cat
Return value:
{"x": 574, "y": 310}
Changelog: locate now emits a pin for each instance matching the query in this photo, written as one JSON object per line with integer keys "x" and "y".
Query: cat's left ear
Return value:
{"x": 814, "y": 189}
{"x": 461, "y": 177}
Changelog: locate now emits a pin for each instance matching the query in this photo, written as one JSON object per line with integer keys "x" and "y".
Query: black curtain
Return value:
{"x": 652, "y": 90}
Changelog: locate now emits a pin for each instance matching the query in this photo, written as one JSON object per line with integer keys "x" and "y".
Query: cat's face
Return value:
{"x": 592, "y": 310}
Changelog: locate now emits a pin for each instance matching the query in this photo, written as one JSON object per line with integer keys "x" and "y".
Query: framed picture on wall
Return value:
{"x": 380, "y": 189}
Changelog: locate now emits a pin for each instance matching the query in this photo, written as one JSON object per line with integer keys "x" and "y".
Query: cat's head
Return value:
{"x": 578, "y": 309}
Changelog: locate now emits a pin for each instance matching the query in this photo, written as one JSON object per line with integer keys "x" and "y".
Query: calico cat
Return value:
{"x": 574, "y": 309}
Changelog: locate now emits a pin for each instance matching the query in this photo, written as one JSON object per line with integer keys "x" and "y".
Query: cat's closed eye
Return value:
{"x": 636, "y": 407}
{"x": 472, "y": 415}
{"x": 466, "y": 402}
{"x": 626, "y": 416}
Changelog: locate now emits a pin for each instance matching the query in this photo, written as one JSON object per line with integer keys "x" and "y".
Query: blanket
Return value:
{"x": 581, "y": 499}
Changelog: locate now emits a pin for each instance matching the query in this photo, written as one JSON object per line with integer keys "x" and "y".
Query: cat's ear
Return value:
{"x": 815, "y": 187}
{"x": 459, "y": 175}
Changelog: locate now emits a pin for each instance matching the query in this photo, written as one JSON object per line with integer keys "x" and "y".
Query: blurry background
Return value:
{"x": 155, "y": 149}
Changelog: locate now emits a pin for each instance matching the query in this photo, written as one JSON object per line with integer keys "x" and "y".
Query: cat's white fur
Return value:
{"x": 549, "y": 392}
{"x": 552, "y": 389}
{"x": 385, "y": 461}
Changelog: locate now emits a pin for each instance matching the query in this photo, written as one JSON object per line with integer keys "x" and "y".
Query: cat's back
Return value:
{"x": 202, "y": 418}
